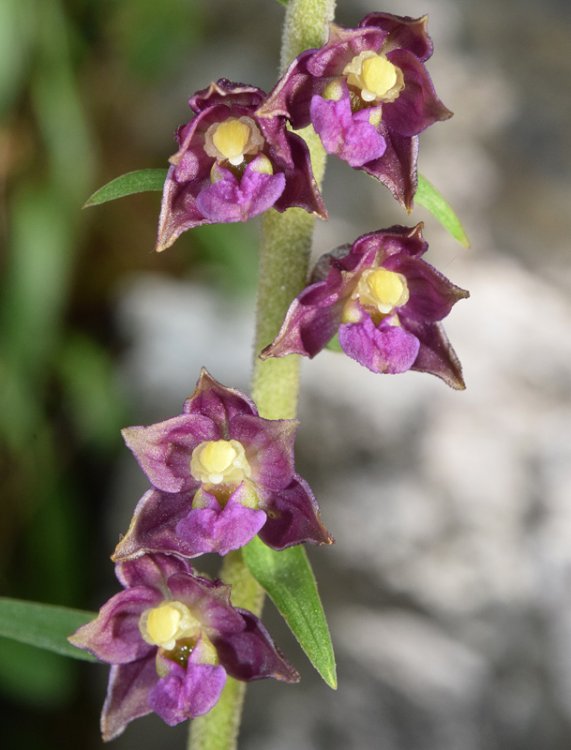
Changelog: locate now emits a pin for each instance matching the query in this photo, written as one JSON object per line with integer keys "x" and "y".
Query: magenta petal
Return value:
{"x": 408, "y": 33}
{"x": 127, "y": 696}
{"x": 220, "y": 529}
{"x": 269, "y": 448}
{"x": 387, "y": 349}
{"x": 231, "y": 200}
{"x": 114, "y": 635}
{"x": 251, "y": 655}
{"x": 163, "y": 450}
{"x": 396, "y": 168}
{"x": 151, "y": 570}
{"x": 293, "y": 517}
{"x": 185, "y": 694}
{"x": 351, "y": 137}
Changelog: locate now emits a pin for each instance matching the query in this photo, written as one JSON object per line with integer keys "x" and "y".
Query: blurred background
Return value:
{"x": 449, "y": 588}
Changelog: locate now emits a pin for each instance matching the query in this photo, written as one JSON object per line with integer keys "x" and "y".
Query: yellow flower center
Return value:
{"x": 376, "y": 77}
{"x": 219, "y": 462}
{"x": 164, "y": 625}
{"x": 382, "y": 289}
{"x": 232, "y": 139}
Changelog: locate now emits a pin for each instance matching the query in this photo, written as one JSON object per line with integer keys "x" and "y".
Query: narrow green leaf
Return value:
{"x": 141, "y": 181}
{"x": 43, "y": 625}
{"x": 283, "y": 2}
{"x": 429, "y": 197}
{"x": 288, "y": 579}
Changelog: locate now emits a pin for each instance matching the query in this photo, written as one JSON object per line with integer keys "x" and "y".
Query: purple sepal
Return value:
{"x": 293, "y": 517}
{"x": 416, "y": 342}
{"x": 251, "y": 654}
{"x": 436, "y": 354}
{"x": 350, "y": 136}
{"x": 127, "y": 696}
{"x": 114, "y": 635}
{"x": 163, "y": 449}
{"x": 386, "y": 349}
{"x": 186, "y": 693}
{"x": 220, "y": 530}
{"x": 217, "y": 402}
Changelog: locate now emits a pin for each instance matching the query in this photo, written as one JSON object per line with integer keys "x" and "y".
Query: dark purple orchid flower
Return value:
{"x": 232, "y": 165}
{"x": 172, "y": 637}
{"x": 383, "y": 301}
{"x": 368, "y": 95}
{"x": 220, "y": 474}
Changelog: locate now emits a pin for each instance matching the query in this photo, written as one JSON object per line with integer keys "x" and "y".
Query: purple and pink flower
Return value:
{"x": 384, "y": 302}
{"x": 172, "y": 638}
{"x": 220, "y": 474}
{"x": 232, "y": 165}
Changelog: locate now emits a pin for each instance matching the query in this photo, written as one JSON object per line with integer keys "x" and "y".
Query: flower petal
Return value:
{"x": 436, "y": 354}
{"x": 127, "y": 696}
{"x": 351, "y": 137}
{"x": 269, "y": 448}
{"x": 232, "y": 200}
{"x": 293, "y": 517}
{"x": 153, "y": 526}
{"x": 220, "y": 404}
{"x": 250, "y": 654}
{"x": 184, "y": 694}
{"x": 114, "y": 635}
{"x": 386, "y": 349}
{"x": 163, "y": 450}
{"x": 220, "y": 529}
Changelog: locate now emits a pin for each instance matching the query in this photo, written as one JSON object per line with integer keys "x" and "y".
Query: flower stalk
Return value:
{"x": 284, "y": 258}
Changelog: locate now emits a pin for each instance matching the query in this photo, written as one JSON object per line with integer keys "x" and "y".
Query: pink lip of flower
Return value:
{"x": 257, "y": 165}
{"x": 385, "y": 303}
{"x": 377, "y": 130}
{"x": 220, "y": 474}
{"x": 175, "y": 666}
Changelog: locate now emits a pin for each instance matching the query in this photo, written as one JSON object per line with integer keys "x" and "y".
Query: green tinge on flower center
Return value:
{"x": 219, "y": 462}
{"x": 166, "y": 624}
{"x": 378, "y": 290}
{"x": 232, "y": 139}
{"x": 377, "y": 79}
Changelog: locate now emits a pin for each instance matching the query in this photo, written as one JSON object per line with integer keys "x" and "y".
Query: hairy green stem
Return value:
{"x": 284, "y": 257}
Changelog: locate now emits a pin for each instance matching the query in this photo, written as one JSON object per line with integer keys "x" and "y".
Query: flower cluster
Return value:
{"x": 219, "y": 473}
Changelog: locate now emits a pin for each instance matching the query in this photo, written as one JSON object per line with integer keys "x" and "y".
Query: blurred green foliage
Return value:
{"x": 77, "y": 79}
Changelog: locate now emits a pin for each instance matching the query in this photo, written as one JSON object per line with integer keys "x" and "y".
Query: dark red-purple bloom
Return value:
{"x": 383, "y": 301}
{"x": 220, "y": 474}
{"x": 231, "y": 165}
{"x": 368, "y": 95}
{"x": 172, "y": 637}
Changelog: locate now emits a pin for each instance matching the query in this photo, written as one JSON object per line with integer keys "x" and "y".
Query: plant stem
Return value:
{"x": 284, "y": 257}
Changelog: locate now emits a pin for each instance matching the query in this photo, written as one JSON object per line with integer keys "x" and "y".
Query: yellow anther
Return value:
{"x": 232, "y": 139}
{"x": 379, "y": 75}
{"x": 382, "y": 289}
{"x": 219, "y": 461}
{"x": 376, "y": 77}
{"x": 163, "y": 625}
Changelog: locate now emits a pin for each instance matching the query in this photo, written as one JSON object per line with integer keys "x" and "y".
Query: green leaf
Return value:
{"x": 333, "y": 345}
{"x": 43, "y": 625}
{"x": 141, "y": 181}
{"x": 288, "y": 579}
{"x": 283, "y": 2}
{"x": 429, "y": 197}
